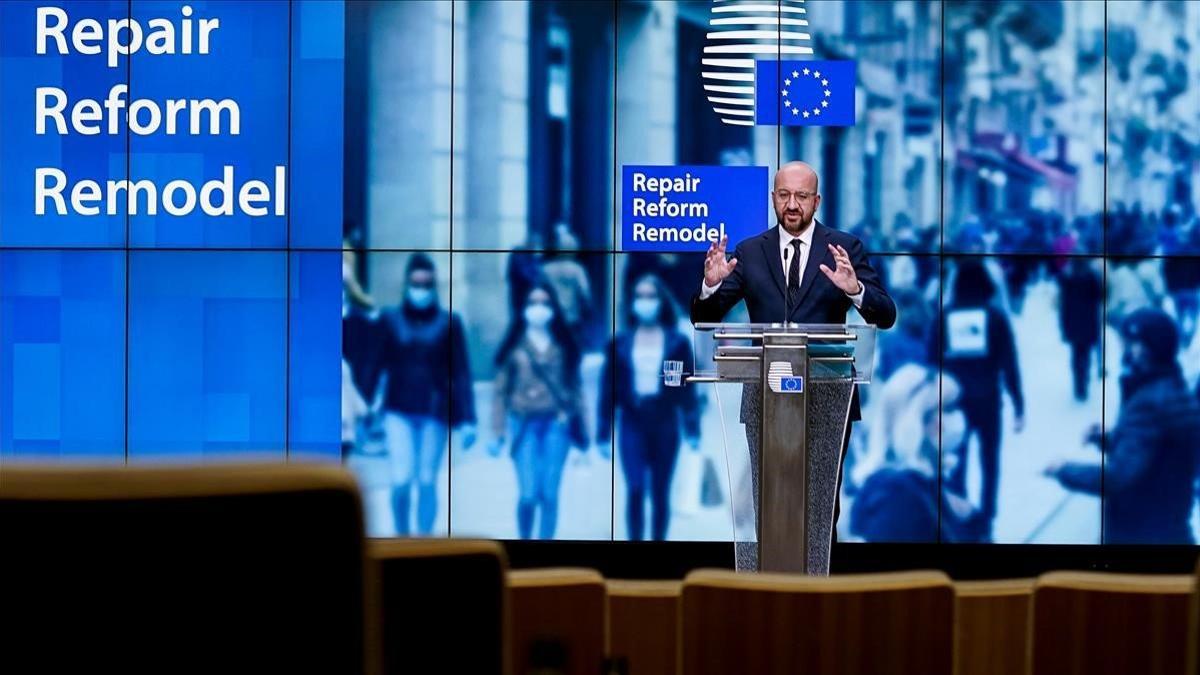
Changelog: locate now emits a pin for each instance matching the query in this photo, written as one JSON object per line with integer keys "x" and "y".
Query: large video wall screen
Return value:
{"x": 1025, "y": 174}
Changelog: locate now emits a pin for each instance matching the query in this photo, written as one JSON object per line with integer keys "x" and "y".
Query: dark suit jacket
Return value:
{"x": 758, "y": 279}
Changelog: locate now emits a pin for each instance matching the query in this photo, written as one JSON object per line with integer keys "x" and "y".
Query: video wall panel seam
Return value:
{"x": 612, "y": 475}
{"x": 941, "y": 252}
{"x": 287, "y": 268}
{"x": 128, "y": 256}
{"x": 450, "y": 290}
{"x": 1105, "y": 297}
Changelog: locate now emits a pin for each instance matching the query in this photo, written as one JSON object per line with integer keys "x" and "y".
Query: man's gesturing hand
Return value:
{"x": 716, "y": 268}
{"x": 842, "y": 275}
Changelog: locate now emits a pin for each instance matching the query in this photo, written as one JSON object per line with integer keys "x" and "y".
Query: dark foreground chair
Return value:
{"x": 776, "y": 624}
{"x": 991, "y": 626}
{"x": 444, "y": 605}
{"x": 1097, "y": 623}
{"x": 643, "y": 626}
{"x": 1193, "y": 640}
{"x": 558, "y": 619}
{"x": 209, "y": 569}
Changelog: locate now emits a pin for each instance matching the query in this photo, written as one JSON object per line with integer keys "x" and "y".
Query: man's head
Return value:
{"x": 795, "y": 196}
{"x": 1151, "y": 341}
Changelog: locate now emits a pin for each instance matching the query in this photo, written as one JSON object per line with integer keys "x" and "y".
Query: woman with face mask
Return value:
{"x": 651, "y": 418}
{"x": 427, "y": 389}
{"x": 536, "y": 405}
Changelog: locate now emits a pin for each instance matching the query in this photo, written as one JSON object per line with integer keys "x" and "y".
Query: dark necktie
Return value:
{"x": 793, "y": 285}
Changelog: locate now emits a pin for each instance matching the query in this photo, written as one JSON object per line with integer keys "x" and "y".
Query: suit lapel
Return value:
{"x": 816, "y": 255}
{"x": 770, "y": 250}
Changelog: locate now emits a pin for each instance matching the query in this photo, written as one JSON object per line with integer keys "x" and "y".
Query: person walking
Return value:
{"x": 651, "y": 418}
{"x": 537, "y": 407}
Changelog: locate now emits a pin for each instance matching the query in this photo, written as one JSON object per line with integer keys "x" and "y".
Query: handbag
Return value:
{"x": 689, "y": 479}
{"x": 710, "y": 485}
{"x": 372, "y": 439}
{"x": 576, "y": 428}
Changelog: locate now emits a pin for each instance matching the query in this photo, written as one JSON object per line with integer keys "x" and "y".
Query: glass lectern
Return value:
{"x": 798, "y": 385}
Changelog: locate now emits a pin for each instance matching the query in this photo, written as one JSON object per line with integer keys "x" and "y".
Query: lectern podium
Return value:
{"x": 804, "y": 375}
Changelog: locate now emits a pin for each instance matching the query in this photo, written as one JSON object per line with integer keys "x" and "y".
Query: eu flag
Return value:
{"x": 804, "y": 93}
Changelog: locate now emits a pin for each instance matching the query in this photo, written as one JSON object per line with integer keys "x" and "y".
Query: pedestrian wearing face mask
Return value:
{"x": 1149, "y": 469}
{"x": 537, "y": 406}
{"x": 427, "y": 389}
{"x": 650, "y": 416}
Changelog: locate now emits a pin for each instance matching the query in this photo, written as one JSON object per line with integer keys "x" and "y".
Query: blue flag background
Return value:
{"x": 804, "y": 93}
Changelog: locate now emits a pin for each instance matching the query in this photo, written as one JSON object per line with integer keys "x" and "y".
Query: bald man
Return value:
{"x": 799, "y": 271}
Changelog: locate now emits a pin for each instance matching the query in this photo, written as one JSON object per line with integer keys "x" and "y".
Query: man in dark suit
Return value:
{"x": 799, "y": 271}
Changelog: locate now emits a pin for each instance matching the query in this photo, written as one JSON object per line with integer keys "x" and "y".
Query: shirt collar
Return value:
{"x": 785, "y": 238}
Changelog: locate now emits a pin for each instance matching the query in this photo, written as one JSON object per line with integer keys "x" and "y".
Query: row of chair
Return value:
{"x": 266, "y": 569}
{"x": 919, "y": 623}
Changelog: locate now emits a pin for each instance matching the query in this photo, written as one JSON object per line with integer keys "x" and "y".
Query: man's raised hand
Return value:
{"x": 716, "y": 268}
{"x": 842, "y": 275}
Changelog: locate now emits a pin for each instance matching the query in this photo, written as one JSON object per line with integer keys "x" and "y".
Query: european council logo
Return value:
{"x": 751, "y": 75}
{"x": 742, "y": 32}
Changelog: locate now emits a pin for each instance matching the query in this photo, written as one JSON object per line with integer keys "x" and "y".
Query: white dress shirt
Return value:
{"x": 785, "y": 246}
{"x": 785, "y": 250}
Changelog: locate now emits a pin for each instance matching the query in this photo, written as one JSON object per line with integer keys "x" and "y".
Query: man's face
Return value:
{"x": 795, "y": 198}
{"x": 1136, "y": 358}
